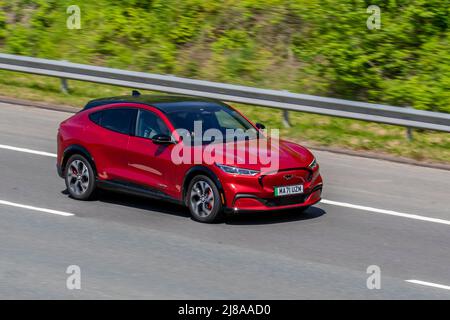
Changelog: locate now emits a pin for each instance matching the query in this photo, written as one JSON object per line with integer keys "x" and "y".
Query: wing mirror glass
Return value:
{"x": 162, "y": 139}
{"x": 260, "y": 126}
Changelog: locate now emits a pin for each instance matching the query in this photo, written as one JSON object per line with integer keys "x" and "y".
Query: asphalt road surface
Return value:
{"x": 374, "y": 212}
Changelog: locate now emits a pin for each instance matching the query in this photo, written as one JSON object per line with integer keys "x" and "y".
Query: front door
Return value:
{"x": 149, "y": 163}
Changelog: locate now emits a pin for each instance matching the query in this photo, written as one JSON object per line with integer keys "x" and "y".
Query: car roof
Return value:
{"x": 165, "y": 103}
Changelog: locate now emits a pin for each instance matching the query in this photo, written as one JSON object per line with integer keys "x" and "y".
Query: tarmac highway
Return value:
{"x": 394, "y": 216}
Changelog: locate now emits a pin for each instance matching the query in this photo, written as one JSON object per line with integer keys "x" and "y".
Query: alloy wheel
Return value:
{"x": 78, "y": 177}
{"x": 202, "y": 198}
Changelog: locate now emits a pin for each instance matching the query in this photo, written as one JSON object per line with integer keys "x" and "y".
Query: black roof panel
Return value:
{"x": 162, "y": 102}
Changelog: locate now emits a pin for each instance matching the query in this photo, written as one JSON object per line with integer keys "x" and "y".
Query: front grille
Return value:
{"x": 285, "y": 200}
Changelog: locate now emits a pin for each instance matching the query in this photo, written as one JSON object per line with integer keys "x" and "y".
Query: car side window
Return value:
{"x": 118, "y": 119}
{"x": 96, "y": 117}
{"x": 149, "y": 125}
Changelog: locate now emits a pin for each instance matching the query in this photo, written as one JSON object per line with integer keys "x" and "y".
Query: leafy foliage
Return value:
{"x": 310, "y": 46}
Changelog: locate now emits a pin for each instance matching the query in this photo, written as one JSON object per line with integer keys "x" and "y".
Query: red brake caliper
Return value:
{"x": 208, "y": 205}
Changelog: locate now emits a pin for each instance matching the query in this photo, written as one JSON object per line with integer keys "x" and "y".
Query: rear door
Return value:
{"x": 112, "y": 135}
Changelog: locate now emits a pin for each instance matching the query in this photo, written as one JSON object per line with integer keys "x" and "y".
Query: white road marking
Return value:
{"x": 334, "y": 203}
{"x": 383, "y": 211}
{"x": 41, "y": 153}
{"x": 429, "y": 284}
{"x": 12, "y": 204}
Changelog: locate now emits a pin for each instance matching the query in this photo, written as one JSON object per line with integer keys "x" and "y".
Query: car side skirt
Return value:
{"x": 135, "y": 189}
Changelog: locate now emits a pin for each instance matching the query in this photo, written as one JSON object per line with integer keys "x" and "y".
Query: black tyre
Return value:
{"x": 79, "y": 177}
{"x": 203, "y": 200}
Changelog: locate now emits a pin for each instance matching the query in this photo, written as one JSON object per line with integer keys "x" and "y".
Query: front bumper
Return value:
{"x": 244, "y": 195}
{"x": 249, "y": 202}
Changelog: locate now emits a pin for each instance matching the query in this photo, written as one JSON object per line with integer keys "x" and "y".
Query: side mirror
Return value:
{"x": 162, "y": 139}
{"x": 260, "y": 126}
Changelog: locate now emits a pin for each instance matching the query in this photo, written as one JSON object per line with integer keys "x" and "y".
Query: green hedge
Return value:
{"x": 319, "y": 47}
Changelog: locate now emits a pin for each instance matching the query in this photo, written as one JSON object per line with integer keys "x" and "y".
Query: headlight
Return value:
{"x": 313, "y": 165}
{"x": 239, "y": 171}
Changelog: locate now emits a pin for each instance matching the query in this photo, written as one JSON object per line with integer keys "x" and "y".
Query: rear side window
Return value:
{"x": 119, "y": 120}
{"x": 96, "y": 117}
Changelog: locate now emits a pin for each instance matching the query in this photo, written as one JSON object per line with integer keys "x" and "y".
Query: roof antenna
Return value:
{"x": 135, "y": 93}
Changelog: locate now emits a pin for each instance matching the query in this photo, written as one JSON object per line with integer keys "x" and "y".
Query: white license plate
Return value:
{"x": 287, "y": 190}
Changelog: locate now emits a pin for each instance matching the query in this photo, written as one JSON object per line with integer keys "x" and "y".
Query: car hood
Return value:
{"x": 258, "y": 154}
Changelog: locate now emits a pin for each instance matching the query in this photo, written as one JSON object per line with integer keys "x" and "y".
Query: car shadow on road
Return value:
{"x": 273, "y": 217}
{"x": 143, "y": 203}
{"x": 248, "y": 218}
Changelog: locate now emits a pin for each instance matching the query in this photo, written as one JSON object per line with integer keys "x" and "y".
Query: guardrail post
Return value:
{"x": 64, "y": 86}
{"x": 409, "y": 131}
{"x": 409, "y": 134}
{"x": 286, "y": 121}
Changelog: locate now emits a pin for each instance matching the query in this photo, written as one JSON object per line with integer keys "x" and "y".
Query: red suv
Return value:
{"x": 172, "y": 148}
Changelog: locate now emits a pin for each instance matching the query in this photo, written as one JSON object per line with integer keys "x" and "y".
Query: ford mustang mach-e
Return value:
{"x": 151, "y": 145}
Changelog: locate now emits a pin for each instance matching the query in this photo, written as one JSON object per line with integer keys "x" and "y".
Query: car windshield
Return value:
{"x": 195, "y": 120}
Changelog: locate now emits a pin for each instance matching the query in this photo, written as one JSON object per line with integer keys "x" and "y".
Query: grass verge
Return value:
{"x": 309, "y": 129}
